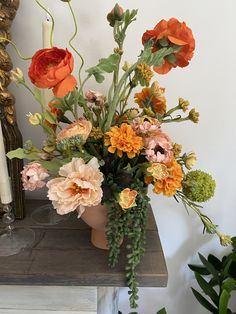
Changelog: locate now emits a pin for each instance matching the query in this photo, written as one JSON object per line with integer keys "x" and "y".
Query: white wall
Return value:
{"x": 209, "y": 83}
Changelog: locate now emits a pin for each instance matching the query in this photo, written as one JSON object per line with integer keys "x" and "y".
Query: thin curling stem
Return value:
{"x": 72, "y": 38}
{"x": 16, "y": 49}
{"x": 53, "y": 21}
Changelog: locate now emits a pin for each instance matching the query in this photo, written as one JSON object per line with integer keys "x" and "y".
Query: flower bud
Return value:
{"x": 132, "y": 113}
{"x": 17, "y": 76}
{"x": 225, "y": 240}
{"x": 193, "y": 116}
{"x": 183, "y": 104}
{"x": 177, "y": 148}
{"x": 126, "y": 66}
{"x": 116, "y": 14}
{"x": 190, "y": 160}
{"x": 35, "y": 119}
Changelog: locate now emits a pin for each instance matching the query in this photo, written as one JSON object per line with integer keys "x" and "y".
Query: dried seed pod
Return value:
{"x": 6, "y": 98}
{"x": 4, "y": 78}
{"x": 4, "y": 34}
{"x": 5, "y": 61}
{"x": 11, "y": 3}
{"x": 5, "y": 22}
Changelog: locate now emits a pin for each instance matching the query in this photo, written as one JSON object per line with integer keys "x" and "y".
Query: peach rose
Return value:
{"x": 158, "y": 147}
{"x": 33, "y": 176}
{"x": 127, "y": 198}
{"x": 81, "y": 127}
{"x": 51, "y": 68}
{"x": 79, "y": 185}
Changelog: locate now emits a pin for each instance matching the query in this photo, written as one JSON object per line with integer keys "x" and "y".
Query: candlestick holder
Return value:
{"x": 46, "y": 215}
{"x": 13, "y": 239}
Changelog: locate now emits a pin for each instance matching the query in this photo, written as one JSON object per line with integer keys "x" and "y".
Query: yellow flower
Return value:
{"x": 177, "y": 148}
{"x": 158, "y": 171}
{"x": 127, "y": 198}
{"x": 190, "y": 160}
{"x": 183, "y": 104}
{"x": 144, "y": 71}
{"x": 194, "y": 115}
{"x": 35, "y": 119}
{"x": 123, "y": 139}
{"x": 96, "y": 133}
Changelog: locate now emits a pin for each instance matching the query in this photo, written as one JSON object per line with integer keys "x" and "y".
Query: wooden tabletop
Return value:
{"x": 63, "y": 255}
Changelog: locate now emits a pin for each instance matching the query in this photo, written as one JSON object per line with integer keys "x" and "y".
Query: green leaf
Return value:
{"x": 99, "y": 77}
{"x": 49, "y": 117}
{"x": 209, "y": 266}
{"x": 52, "y": 165}
{"x": 207, "y": 289}
{"x": 64, "y": 119}
{"x": 204, "y": 302}
{"x": 215, "y": 262}
{"x": 20, "y": 154}
{"x": 162, "y": 311}
{"x": 199, "y": 269}
{"x": 223, "y": 304}
{"x": 105, "y": 65}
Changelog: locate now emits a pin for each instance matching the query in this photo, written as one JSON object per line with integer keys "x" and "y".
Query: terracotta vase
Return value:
{"x": 96, "y": 218}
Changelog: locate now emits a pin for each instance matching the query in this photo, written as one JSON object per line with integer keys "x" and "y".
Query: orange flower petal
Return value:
{"x": 65, "y": 86}
{"x": 177, "y": 41}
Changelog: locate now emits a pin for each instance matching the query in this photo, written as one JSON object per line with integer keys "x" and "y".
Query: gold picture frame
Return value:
{"x": 11, "y": 132}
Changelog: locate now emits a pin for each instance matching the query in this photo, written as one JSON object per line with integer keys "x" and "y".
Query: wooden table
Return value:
{"x": 63, "y": 258}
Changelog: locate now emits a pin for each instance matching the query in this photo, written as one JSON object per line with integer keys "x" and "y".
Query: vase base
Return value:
{"x": 99, "y": 239}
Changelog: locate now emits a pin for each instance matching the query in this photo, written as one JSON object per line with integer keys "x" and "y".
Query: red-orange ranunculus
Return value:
{"x": 51, "y": 68}
{"x": 173, "y": 33}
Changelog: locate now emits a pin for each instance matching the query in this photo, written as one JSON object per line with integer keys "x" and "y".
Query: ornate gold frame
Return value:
{"x": 12, "y": 135}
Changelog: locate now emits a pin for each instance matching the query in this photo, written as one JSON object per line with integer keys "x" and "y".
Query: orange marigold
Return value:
{"x": 172, "y": 33}
{"x": 156, "y": 101}
{"x": 169, "y": 184}
{"x": 123, "y": 139}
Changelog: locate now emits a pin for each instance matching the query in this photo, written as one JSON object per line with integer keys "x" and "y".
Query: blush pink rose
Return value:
{"x": 145, "y": 124}
{"x": 95, "y": 97}
{"x": 78, "y": 186}
{"x": 159, "y": 147}
{"x": 33, "y": 176}
{"x": 81, "y": 127}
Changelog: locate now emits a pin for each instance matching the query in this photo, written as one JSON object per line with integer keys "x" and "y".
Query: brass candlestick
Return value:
{"x": 11, "y": 132}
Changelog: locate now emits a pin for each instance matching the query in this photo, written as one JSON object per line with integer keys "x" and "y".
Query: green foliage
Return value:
{"x": 129, "y": 224}
{"x": 20, "y": 153}
{"x": 221, "y": 281}
{"x": 162, "y": 311}
{"x": 105, "y": 65}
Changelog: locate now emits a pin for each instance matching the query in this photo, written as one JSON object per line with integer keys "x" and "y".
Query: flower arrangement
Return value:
{"x": 114, "y": 147}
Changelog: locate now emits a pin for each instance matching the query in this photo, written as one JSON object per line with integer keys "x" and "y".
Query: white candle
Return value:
{"x": 46, "y": 34}
{"x": 47, "y": 28}
{"x": 5, "y": 186}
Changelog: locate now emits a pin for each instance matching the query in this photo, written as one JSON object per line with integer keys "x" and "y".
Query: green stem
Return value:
{"x": 179, "y": 119}
{"x": 72, "y": 38}
{"x": 16, "y": 49}
{"x": 53, "y": 21}
{"x": 75, "y": 104}
{"x": 168, "y": 113}
{"x": 117, "y": 97}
